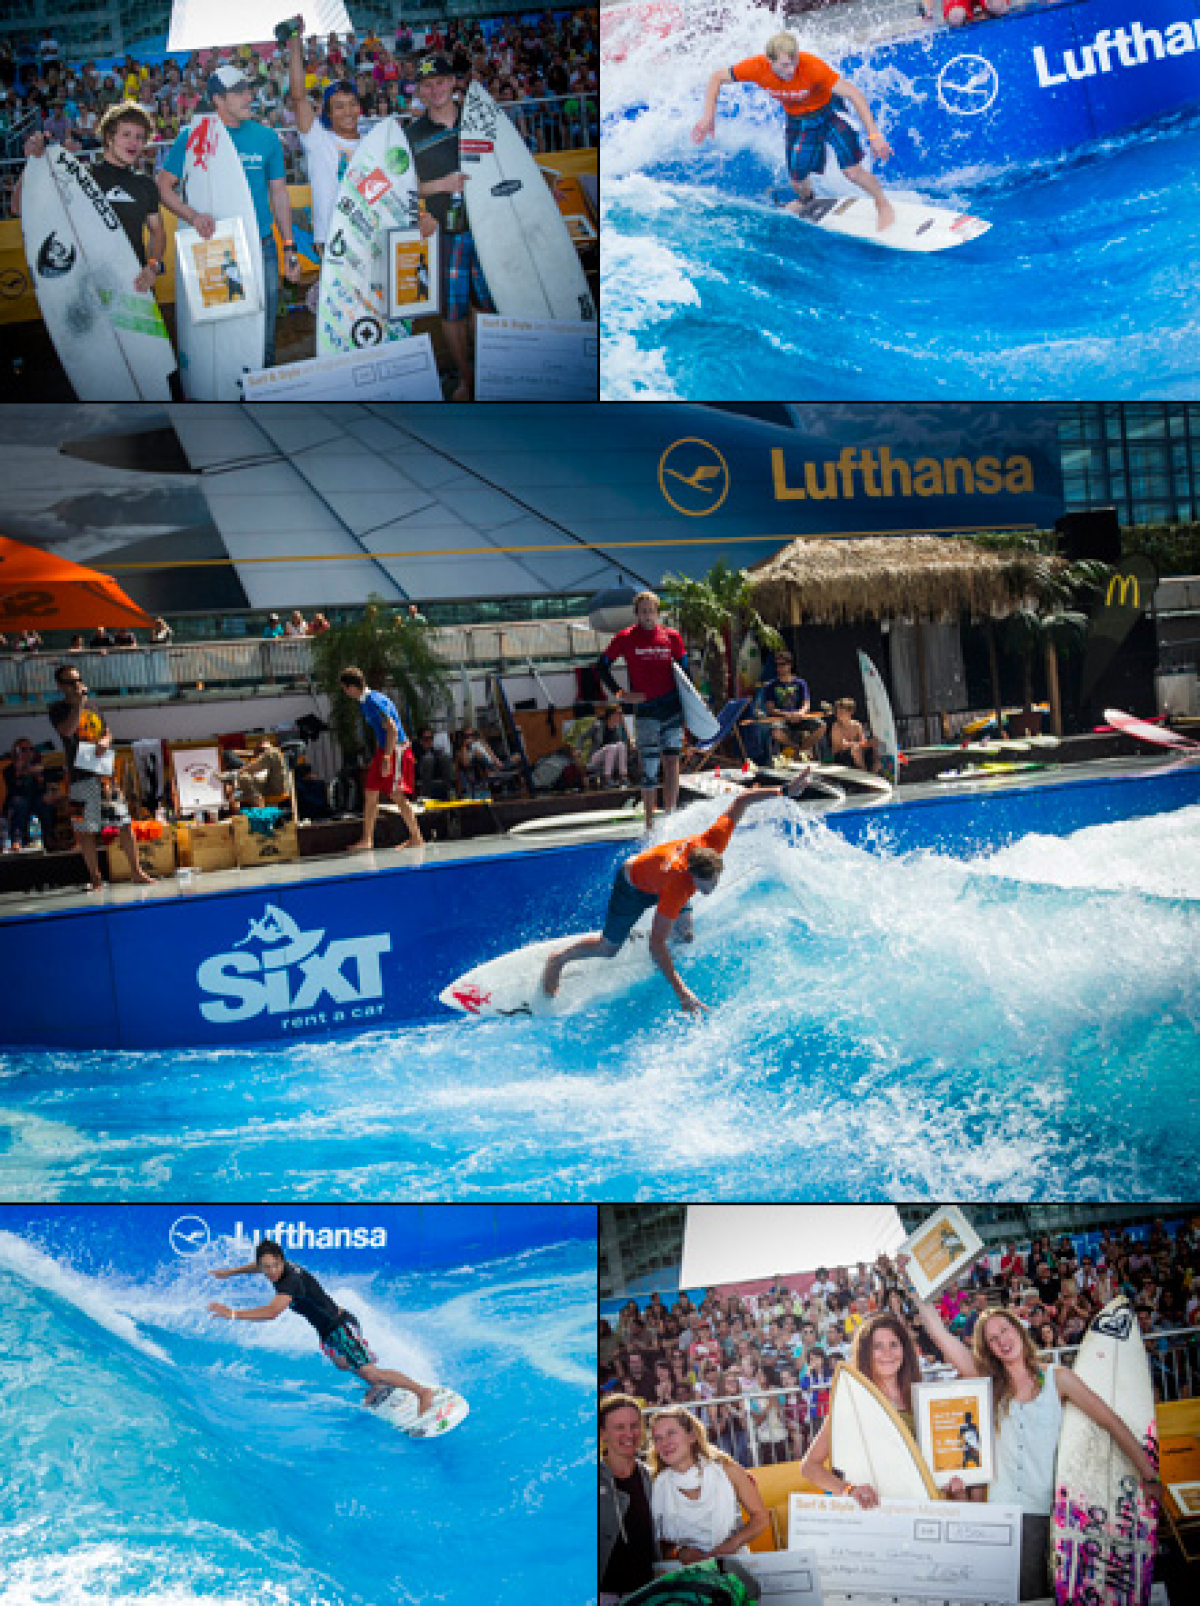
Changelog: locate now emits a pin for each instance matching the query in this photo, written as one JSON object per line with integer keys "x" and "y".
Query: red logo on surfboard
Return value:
{"x": 475, "y": 147}
{"x": 202, "y": 142}
{"x": 471, "y": 999}
{"x": 373, "y": 185}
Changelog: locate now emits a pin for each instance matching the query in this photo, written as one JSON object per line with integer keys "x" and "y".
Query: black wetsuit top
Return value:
{"x": 132, "y": 196}
{"x": 435, "y": 153}
{"x": 310, "y": 1300}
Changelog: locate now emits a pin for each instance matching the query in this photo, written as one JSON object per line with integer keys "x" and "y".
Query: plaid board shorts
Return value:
{"x": 346, "y": 1341}
{"x": 90, "y": 814}
{"x": 809, "y": 137}
{"x": 659, "y": 726}
{"x": 462, "y": 278}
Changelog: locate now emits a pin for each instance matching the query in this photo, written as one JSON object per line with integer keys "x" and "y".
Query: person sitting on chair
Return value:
{"x": 784, "y": 702}
{"x": 850, "y": 743}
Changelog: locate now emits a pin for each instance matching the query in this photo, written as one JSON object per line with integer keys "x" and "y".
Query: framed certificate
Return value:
{"x": 1187, "y": 1500}
{"x": 943, "y": 1247}
{"x": 218, "y": 275}
{"x": 954, "y": 1429}
{"x": 414, "y": 276}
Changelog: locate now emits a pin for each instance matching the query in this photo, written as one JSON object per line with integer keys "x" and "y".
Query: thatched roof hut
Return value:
{"x": 929, "y": 577}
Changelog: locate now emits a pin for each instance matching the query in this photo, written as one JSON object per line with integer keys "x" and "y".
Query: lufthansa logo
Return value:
{"x": 1120, "y": 588}
{"x": 694, "y": 477}
{"x": 967, "y": 86}
{"x": 189, "y": 1235}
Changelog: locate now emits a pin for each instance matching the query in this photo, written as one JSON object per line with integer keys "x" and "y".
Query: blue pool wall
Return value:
{"x": 139, "y": 976}
{"x": 138, "y": 1241}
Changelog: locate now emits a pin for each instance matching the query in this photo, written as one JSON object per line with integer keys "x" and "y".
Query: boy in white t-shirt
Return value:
{"x": 329, "y": 140}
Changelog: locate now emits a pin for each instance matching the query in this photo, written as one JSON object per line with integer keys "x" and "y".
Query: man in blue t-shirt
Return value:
{"x": 262, "y": 160}
{"x": 383, "y": 775}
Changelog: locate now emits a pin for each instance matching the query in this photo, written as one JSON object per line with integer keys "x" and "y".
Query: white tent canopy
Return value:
{"x": 742, "y": 1243}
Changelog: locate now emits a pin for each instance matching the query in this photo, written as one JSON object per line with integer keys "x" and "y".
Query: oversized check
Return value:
{"x": 536, "y": 359}
{"x": 921, "y": 1553}
{"x": 402, "y": 370}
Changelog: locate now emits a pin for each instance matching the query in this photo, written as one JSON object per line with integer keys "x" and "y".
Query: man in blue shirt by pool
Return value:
{"x": 383, "y": 775}
{"x": 262, "y": 160}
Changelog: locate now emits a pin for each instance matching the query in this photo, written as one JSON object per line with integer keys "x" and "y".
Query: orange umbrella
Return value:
{"x": 41, "y": 592}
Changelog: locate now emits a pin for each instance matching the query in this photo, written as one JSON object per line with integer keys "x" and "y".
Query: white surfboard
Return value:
{"x": 512, "y": 984}
{"x": 871, "y": 1444}
{"x": 839, "y": 776}
{"x": 526, "y": 251}
{"x": 1104, "y": 1527}
{"x": 1145, "y": 732}
{"x": 631, "y": 813}
{"x": 918, "y": 226}
{"x": 378, "y": 192}
{"x": 880, "y": 718}
{"x": 110, "y": 338}
{"x": 726, "y": 782}
{"x": 398, "y": 1408}
{"x": 697, "y": 715}
{"x": 214, "y": 354}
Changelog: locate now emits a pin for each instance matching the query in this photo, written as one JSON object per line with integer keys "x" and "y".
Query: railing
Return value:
{"x": 281, "y": 663}
{"x": 763, "y": 1433}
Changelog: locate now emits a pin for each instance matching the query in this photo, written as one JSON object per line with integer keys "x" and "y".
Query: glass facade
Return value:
{"x": 1143, "y": 458}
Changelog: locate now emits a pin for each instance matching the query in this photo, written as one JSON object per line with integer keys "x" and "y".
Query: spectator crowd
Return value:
{"x": 757, "y": 1365}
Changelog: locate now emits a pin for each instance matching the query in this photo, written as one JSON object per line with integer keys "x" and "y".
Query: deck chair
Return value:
{"x": 727, "y": 723}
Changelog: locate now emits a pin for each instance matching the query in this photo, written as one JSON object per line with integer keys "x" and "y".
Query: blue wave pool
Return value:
{"x": 962, "y": 997}
{"x": 1083, "y": 288}
{"x": 156, "y": 1454}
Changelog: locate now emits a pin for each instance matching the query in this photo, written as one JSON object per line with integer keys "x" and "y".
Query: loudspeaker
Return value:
{"x": 1093, "y": 533}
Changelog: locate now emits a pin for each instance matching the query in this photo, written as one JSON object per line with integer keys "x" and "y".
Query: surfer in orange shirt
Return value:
{"x": 663, "y": 878}
{"x": 809, "y": 91}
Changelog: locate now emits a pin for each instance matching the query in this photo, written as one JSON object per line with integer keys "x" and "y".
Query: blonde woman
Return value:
{"x": 1027, "y": 1401}
{"x": 704, "y": 1504}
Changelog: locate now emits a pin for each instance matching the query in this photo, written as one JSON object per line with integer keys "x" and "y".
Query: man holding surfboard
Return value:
{"x": 808, "y": 89}
{"x": 340, "y": 1335}
{"x": 665, "y": 879}
{"x": 650, "y": 649}
{"x": 261, "y": 155}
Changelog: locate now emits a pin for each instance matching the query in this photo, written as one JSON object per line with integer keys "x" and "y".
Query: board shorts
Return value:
{"x": 90, "y": 813}
{"x": 626, "y": 906}
{"x": 659, "y": 730}
{"x": 346, "y": 1343}
{"x": 462, "y": 278}
{"x": 377, "y": 781}
{"x": 808, "y": 138}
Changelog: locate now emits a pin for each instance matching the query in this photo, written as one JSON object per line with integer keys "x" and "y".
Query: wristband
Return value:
{"x": 157, "y": 264}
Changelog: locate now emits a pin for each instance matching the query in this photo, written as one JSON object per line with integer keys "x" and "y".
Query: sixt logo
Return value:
{"x": 292, "y": 975}
{"x": 1131, "y": 46}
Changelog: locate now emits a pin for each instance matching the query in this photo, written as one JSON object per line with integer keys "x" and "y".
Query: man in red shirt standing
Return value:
{"x": 808, "y": 89}
{"x": 650, "y": 649}
{"x": 664, "y": 878}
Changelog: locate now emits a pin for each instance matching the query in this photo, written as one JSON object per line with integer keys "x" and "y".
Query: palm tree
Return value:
{"x": 1048, "y": 620}
{"x": 396, "y": 656}
{"x": 711, "y": 610}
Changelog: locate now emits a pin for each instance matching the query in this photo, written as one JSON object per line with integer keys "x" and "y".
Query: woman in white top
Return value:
{"x": 1027, "y": 1400}
{"x": 703, "y": 1503}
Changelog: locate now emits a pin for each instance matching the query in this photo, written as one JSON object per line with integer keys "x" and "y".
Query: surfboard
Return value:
{"x": 1129, "y": 726}
{"x": 512, "y": 984}
{"x": 632, "y": 813}
{"x": 110, "y": 338}
{"x": 871, "y": 1444}
{"x": 749, "y": 662}
{"x": 214, "y": 353}
{"x": 988, "y": 772}
{"x": 719, "y": 782}
{"x": 398, "y": 1408}
{"x": 1103, "y": 1525}
{"x": 697, "y": 715}
{"x": 378, "y": 192}
{"x": 918, "y": 227}
{"x": 525, "y": 248}
{"x": 879, "y": 717}
{"x": 851, "y": 775}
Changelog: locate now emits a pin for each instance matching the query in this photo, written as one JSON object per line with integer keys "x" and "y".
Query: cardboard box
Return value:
{"x": 155, "y": 858}
{"x": 212, "y": 846}
{"x": 253, "y": 848}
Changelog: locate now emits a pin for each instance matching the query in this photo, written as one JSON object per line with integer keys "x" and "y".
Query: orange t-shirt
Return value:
{"x": 664, "y": 870}
{"x": 810, "y": 90}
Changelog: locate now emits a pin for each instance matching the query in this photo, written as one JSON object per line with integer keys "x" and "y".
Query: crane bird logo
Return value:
{"x": 967, "y": 86}
{"x": 694, "y": 477}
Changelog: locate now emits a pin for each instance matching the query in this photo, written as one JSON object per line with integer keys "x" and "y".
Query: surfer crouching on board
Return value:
{"x": 340, "y": 1335}
{"x": 807, "y": 88}
{"x": 649, "y": 650}
{"x": 124, "y": 132}
{"x": 663, "y": 878}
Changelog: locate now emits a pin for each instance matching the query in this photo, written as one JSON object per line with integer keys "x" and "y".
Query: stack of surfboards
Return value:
{"x": 110, "y": 338}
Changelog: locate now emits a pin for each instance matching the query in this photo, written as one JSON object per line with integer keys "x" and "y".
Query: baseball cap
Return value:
{"x": 226, "y": 79}
{"x": 435, "y": 67}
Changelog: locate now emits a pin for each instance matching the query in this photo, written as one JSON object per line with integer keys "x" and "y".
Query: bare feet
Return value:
{"x": 463, "y": 393}
{"x": 413, "y": 842}
{"x": 424, "y": 1400}
{"x": 360, "y": 847}
{"x": 145, "y": 880}
{"x": 887, "y": 215}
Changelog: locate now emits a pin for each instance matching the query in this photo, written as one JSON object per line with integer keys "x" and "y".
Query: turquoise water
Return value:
{"x": 884, "y": 1023}
{"x": 1083, "y": 289}
{"x": 166, "y": 1458}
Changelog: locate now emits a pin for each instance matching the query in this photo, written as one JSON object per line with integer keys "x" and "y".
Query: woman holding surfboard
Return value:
{"x": 1028, "y": 1399}
{"x": 698, "y": 1491}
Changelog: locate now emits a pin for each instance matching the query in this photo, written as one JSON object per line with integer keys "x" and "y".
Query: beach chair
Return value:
{"x": 727, "y": 723}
